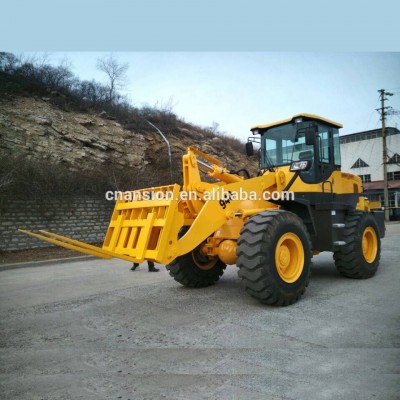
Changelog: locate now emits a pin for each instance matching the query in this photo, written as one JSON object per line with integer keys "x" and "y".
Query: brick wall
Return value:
{"x": 83, "y": 218}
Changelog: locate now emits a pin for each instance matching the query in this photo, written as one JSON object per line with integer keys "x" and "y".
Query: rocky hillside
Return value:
{"x": 34, "y": 129}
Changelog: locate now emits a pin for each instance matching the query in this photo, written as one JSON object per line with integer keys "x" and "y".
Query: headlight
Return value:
{"x": 303, "y": 165}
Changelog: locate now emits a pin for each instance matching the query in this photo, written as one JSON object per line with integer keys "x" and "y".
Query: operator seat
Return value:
{"x": 306, "y": 155}
{"x": 307, "y": 176}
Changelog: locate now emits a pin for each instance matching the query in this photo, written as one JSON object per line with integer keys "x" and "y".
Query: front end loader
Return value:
{"x": 270, "y": 225}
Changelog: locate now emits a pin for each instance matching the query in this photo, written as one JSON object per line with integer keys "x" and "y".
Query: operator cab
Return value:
{"x": 306, "y": 142}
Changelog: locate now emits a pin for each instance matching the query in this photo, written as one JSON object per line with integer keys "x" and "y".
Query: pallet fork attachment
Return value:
{"x": 141, "y": 227}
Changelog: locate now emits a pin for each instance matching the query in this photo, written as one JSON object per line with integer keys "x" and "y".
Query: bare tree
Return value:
{"x": 116, "y": 73}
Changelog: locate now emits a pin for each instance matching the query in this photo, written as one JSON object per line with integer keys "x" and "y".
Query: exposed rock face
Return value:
{"x": 37, "y": 130}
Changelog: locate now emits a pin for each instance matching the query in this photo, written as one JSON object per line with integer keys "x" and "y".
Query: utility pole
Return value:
{"x": 383, "y": 113}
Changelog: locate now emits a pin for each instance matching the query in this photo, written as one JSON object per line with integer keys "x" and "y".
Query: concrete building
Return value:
{"x": 361, "y": 154}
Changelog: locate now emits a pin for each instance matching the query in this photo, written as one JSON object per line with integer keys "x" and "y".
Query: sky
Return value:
{"x": 242, "y": 89}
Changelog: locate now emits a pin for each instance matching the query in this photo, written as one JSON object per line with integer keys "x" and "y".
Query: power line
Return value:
{"x": 370, "y": 115}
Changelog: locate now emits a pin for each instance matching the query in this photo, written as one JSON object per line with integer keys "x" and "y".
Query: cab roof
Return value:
{"x": 305, "y": 116}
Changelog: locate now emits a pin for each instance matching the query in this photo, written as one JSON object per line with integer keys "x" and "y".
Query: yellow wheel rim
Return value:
{"x": 202, "y": 261}
{"x": 289, "y": 257}
{"x": 369, "y": 244}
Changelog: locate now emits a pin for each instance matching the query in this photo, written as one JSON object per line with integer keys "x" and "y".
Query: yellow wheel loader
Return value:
{"x": 269, "y": 225}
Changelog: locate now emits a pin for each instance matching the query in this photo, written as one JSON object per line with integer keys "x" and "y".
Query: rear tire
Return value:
{"x": 274, "y": 257}
{"x": 359, "y": 257}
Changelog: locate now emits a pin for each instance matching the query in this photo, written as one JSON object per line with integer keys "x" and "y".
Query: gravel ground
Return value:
{"x": 95, "y": 330}
{"x": 38, "y": 254}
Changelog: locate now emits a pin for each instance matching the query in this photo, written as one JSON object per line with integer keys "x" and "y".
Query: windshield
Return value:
{"x": 286, "y": 143}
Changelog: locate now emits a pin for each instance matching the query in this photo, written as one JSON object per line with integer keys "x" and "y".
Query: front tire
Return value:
{"x": 274, "y": 257}
{"x": 195, "y": 269}
{"x": 359, "y": 257}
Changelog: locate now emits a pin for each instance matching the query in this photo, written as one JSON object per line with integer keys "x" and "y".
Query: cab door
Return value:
{"x": 323, "y": 162}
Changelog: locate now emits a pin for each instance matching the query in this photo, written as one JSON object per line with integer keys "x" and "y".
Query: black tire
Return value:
{"x": 349, "y": 258}
{"x": 205, "y": 273}
{"x": 257, "y": 245}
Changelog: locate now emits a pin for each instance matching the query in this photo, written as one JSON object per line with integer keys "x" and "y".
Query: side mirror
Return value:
{"x": 311, "y": 134}
{"x": 249, "y": 149}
